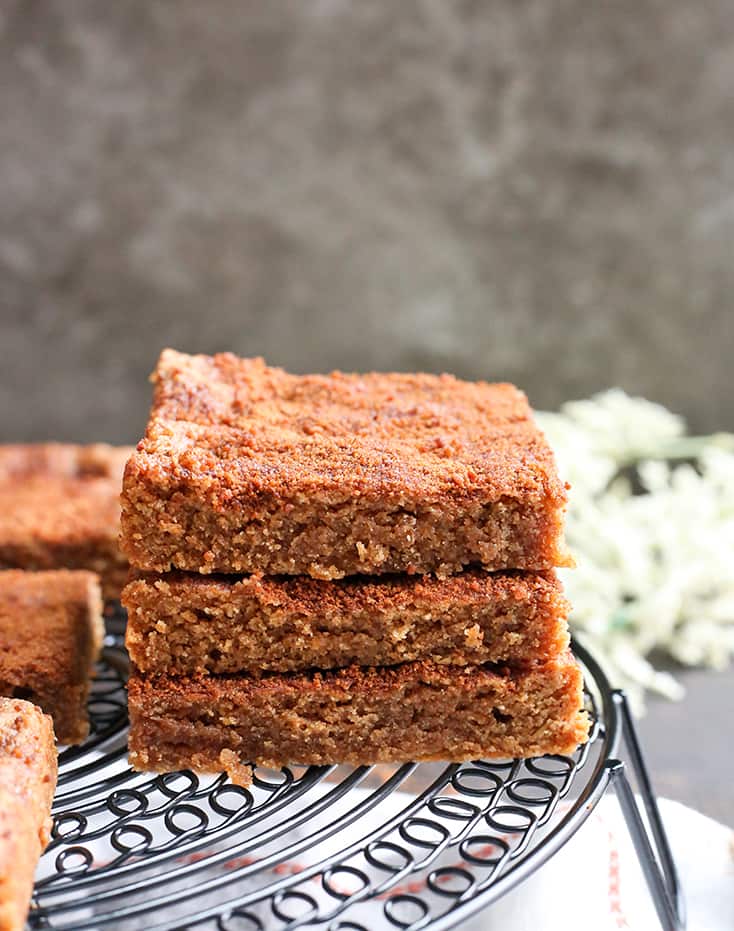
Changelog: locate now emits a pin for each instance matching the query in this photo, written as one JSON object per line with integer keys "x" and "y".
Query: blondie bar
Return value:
{"x": 186, "y": 624}
{"x": 60, "y": 509}
{"x": 416, "y": 711}
{"x": 50, "y": 634}
{"x": 246, "y": 468}
{"x": 27, "y": 782}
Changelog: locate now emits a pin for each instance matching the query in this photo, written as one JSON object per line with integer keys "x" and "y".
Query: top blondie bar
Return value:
{"x": 247, "y": 468}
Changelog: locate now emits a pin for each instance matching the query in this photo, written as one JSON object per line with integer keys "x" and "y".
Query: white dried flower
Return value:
{"x": 654, "y": 562}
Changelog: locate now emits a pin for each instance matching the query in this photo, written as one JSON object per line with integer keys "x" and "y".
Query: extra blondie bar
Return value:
{"x": 416, "y": 711}
{"x": 246, "y": 468}
{"x": 28, "y": 767}
{"x": 60, "y": 509}
{"x": 186, "y": 624}
{"x": 51, "y": 631}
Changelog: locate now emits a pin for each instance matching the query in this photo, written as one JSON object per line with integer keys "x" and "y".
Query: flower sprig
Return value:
{"x": 651, "y": 525}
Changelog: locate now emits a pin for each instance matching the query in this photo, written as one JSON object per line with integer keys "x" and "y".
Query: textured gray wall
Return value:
{"x": 538, "y": 191}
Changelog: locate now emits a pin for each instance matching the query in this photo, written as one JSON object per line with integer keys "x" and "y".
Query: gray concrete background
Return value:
{"x": 536, "y": 191}
{"x": 688, "y": 745}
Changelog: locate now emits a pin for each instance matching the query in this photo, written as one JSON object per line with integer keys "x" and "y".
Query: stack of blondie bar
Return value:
{"x": 342, "y": 568}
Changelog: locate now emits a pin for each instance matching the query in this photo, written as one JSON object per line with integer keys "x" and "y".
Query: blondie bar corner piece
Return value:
{"x": 60, "y": 509}
{"x": 52, "y": 628}
{"x": 247, "y": 468}
{"x": 28, "y": 770}
{"x": 416, "y": 711}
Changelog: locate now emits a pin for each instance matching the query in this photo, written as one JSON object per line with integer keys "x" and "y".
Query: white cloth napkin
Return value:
{"x": 595, "y": 884}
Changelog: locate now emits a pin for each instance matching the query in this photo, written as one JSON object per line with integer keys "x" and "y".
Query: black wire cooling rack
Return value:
{"x": 344, "y": 849}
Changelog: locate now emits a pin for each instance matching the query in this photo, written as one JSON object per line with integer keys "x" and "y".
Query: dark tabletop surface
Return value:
{"x": 689, "y": 745}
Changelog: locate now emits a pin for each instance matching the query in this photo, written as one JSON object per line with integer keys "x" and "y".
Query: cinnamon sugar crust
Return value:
{"x": 28, "y": 768}
{"x": 416, "y": 711}
{"x": 50, "y": 635}
{"x": 248, "y": 468}
{"x": 60, "y": 509}
{"x": 185, "y": 624}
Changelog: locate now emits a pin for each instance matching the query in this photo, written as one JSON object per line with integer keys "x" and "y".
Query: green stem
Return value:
{"x": 684, "y": 447}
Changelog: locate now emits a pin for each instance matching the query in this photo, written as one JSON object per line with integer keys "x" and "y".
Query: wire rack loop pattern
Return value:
{"x": 408, "y": 847}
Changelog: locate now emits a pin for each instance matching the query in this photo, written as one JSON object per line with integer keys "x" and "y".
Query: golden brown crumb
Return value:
{"x": 240, "y": 774}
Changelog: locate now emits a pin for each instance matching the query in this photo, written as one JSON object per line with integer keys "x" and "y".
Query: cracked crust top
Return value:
{"x": 243, "y": 427}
